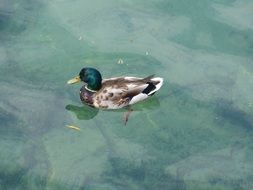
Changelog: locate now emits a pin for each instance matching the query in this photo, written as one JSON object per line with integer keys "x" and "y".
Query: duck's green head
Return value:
{"x": 90, "y": 76}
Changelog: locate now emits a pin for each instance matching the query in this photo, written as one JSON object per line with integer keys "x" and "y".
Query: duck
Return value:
{"x": 114, "y": 93}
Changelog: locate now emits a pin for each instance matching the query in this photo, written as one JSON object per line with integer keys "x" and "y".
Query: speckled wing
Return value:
{"x": 118, "y": 92}
{"x": 122, "y": 91}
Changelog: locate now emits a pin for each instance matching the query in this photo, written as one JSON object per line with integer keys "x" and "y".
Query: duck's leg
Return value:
{"x": 127, "y": 114}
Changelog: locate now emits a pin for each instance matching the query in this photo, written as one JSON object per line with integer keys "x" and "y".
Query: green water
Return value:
{"x": 195, "y": 133}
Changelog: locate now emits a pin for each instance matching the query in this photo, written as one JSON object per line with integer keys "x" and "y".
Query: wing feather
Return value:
{"x": 122, "y": 91}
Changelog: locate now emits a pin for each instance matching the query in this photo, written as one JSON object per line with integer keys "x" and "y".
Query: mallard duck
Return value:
{"x": 114, "y": 93}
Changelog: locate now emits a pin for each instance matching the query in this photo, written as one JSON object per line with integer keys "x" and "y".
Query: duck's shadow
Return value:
{"x": 86, "y": 112}
{"x": 82, "y": 112}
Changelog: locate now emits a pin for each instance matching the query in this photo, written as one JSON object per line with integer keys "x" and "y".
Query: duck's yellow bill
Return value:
{"x": 73, "y": 127}
{"x": 74, "y": 80}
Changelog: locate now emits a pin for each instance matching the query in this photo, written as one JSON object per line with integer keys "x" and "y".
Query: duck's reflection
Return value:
{"x": 83, "y": 112}
{"x": 86, "y": 112}
{"x": 150, "y": 104}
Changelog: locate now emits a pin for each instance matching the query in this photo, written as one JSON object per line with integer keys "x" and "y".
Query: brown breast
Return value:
{"x": 86, "y": 96}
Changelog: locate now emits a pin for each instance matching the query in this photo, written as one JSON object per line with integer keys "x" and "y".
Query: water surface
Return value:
{"x": 195, "y": 133}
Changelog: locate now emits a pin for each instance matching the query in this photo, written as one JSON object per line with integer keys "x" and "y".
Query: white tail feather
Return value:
{"x": 158, "y": 86}
{"x": 143, "y": 96}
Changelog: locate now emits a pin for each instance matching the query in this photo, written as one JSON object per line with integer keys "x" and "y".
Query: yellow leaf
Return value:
{"x": 73, "y": 127}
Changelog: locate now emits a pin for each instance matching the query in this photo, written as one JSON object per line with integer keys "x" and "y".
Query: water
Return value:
{"x": 195, "y": 133}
